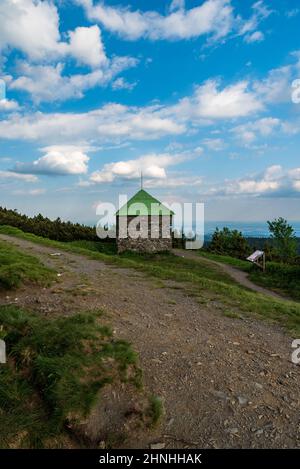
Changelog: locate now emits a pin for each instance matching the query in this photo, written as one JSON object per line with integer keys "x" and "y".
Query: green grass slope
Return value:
{"x": 279, "y": 277}
{"x": 17, "y": 268}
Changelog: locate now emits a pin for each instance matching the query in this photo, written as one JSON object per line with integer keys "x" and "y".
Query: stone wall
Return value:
{"x": 144, "y": 245}
{"x": 144, "y": 234}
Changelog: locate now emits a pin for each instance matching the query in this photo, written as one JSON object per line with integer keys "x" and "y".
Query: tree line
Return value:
{"x": 39, "y": 225}
{"x": 282, "y": 244}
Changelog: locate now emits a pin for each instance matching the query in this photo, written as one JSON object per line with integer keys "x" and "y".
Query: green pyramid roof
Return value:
{"x": 143, "y": 204}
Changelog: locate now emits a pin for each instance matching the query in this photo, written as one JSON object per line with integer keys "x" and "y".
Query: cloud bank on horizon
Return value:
{"x": 196, "y": 94}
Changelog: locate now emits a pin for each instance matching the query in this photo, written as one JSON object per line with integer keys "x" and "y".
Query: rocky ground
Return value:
{"x": 225, "y": 382}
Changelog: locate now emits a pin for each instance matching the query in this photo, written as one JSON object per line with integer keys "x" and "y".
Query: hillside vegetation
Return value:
{"x": 43, "y": 226}
{"x": 282, "y": 262}
{"x": 17, "y": 267}
{"x": 279, "y": 277}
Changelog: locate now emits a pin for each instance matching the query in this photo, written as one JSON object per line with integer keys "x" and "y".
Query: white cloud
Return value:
{"x": 272, "y": 173}
{"x": 87, "y": 47}
{"x": 257, "y": 36}
{"x": 118, "y": 123}
{"x": 8, "y": 105}
{"x": 58, "y": 160}
{"x": 48, "y": 83}
{"x": 210, "y": 102}
{"x": 32, "y": 26}
{"x": 274, "y": 181}
{"x": 14, "y": 176}
{"x": 260, "y": 13}
{"x": 153, "y": 166}
{"x": 248, "y": 186}
{"x": 213, "y": 17}
{"x": 177, "y": 5}
{"x": 250, "y": 131}
{"x": 276, "y": 87}
{"x": 121, "y": 84}
{"x": 215, "y": 144}
{"x": 112, "y": 122}
{"x": 296, "y": 185}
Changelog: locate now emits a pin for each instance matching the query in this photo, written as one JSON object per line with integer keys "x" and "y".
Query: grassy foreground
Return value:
{"x": 234, "y": 262}
{"x": 282, "y": 278}
{"x": 203, "y": 281}
{"x": 56, "y": 369}
{"x": 17, "y": 267}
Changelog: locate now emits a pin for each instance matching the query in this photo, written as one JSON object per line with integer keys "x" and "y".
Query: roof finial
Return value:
{"x": 141, "y": 180}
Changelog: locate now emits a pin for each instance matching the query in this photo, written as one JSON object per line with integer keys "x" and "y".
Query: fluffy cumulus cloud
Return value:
{"x": 49, "y": 83}
{"x": 275, "y": 181}
{"x": 32, "y": 27}
{"x": 112, "y": 122}
{"x": 213, "y": 17}
{"x": 58, "y": 160}
{"x": 8, "y": 105}
{"x": 87, "y": 47}
{"x": 211, "y": 102}
{"x": 153, "y": 166}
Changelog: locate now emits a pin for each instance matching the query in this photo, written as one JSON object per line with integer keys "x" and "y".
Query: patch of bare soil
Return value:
{"x": 225, "y": 382}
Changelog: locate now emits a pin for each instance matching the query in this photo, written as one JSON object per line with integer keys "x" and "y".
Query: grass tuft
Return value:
{"x": 155, "y": 410}
{"x": 17, "y": 268}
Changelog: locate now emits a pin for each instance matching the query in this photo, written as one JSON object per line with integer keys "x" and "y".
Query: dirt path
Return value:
{"x": 238, "y": 275}
{"x": 225, "y": 382}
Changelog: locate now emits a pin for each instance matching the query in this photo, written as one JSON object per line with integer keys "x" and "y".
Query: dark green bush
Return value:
{"x": 229, "y": 242}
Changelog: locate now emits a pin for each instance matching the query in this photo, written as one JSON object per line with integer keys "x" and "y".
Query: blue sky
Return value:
{"x": 200, "y": 95}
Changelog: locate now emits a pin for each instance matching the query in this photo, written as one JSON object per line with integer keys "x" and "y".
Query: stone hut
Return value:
{"x": 144, "y": 225}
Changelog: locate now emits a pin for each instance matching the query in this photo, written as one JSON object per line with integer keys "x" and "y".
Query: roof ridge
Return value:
{"x": 145, "y": 198}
